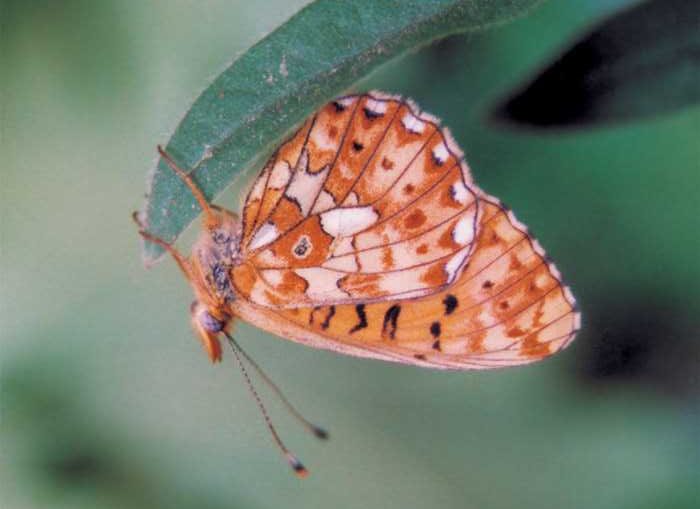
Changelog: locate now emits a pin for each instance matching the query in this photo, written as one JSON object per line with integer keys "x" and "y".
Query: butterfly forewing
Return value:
{"x": 370, "y": 201}
{"x": 269, "y": 187}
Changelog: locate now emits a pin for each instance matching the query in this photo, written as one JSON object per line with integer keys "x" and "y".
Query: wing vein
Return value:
{"x": 293, "y": 170}
{"x": 337, "y": 155}
{"x": 374, "y": 152}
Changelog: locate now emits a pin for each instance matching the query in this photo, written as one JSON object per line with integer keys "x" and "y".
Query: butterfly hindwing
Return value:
{"x": 507, "y": 307}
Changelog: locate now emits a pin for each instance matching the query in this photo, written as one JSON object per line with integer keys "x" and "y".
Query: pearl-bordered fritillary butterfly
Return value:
{"x": 366, "y": 235}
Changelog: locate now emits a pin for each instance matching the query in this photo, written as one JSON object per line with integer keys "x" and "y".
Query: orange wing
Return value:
{"x": 507, "y": 307}
{"x": 369, "y": 201}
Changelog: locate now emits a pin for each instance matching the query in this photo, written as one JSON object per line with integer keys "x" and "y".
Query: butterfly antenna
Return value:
{"x": 317, "y": 431}
{"x": 211, "y": 221}
{"x": 297, "y": 466}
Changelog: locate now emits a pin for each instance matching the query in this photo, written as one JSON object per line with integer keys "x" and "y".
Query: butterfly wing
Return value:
{"x": 508, "y": 306}
{"x": 369, "y": 201}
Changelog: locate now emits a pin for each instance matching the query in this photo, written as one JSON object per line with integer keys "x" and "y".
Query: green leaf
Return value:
{"x": 320, "y": 52}
{"x": 641, "y": 62}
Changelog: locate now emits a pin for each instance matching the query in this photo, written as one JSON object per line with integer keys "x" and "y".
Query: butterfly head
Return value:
{"x": 208, "y": 326}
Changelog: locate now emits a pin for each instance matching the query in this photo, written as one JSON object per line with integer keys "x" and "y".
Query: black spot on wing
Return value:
{"x": 390, "y": 318}
{"x": 362, "y": 316}
{"x": 327, "y": 322}
{"x": 450, "y": 303}
{"x": 371, "y": 114}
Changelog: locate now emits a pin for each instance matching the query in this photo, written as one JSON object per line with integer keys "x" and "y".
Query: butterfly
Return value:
{"x": 365, "y": 234}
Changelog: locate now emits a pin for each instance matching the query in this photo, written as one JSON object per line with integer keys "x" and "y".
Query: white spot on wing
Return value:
{"x": 304, "y": 185}
{"x": 463, "y": 232}
{"x": 280, "y": 175}
{"x": 266, "y": 234}
{"x": 351, "y": 199}
{"x": 440, "y": 153}
{"x": 322, "y": 283}
{"x": 346, "y": 263}
{"x": 346, "y": 101}
{"x": 375, "y": 106}
{"x": 459, "y": 192}
{"x": 342, "y": 246}
{"x": 325, "y": 201}
{"x": 256, "y": 192}
{"x": 412, "y": 123}
{"x": 272, "y": 277}
{"x": 455, "y": 263}
{"x": 346, "y": 171}
{"x": 341, "y": 222}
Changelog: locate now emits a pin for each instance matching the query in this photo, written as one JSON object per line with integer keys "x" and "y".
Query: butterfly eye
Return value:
{"x": 210, "y": 323}
{"x": 206, "y": 320}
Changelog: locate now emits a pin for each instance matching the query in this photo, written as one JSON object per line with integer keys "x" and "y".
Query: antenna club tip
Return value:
{"x": 320, "y": 433}
{"x": 299, "y": 468}
{"x": 301, "y": 472}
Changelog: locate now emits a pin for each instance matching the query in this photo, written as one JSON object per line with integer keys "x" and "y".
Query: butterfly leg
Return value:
{"x": 211, "y": 220}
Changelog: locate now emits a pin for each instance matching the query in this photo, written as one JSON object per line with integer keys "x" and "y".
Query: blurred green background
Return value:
{"x": 108, "y": 401}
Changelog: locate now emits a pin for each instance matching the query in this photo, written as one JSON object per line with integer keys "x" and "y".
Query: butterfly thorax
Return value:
{"x": 213, "y": 256}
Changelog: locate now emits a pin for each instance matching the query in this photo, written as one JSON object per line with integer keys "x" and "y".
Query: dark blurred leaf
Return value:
{"x": 262, "y": 96}
{"x": 641, "y": 62}
{"x": 648, "y": 341}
